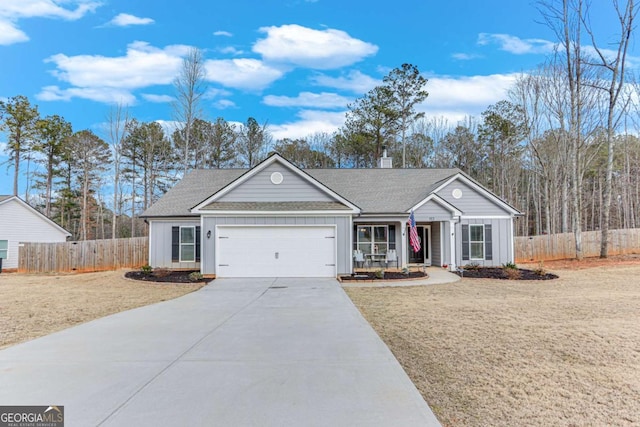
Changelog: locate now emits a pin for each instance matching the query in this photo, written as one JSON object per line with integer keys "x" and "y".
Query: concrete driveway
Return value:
{"x": 238, "y": 352}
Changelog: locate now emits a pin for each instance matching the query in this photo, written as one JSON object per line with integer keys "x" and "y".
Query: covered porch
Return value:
{"x": 385, "y": 244}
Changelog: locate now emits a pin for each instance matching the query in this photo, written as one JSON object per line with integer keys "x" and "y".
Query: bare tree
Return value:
{"x": 117, "y": 119}
{"x": 190, "y": 87}
{"x": 564, "y": 17}
{"x": 615, "y": 67}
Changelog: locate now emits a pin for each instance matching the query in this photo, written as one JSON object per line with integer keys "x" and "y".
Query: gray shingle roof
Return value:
{"x": 3, "y": 198}
{"x": 375, "y": 191}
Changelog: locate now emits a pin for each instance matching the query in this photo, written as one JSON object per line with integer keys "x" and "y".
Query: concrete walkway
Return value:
{"x": 436, "y": 276}
{"x": 239, "y": 352}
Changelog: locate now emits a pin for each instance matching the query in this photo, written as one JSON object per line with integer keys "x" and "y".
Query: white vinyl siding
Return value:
{"x": 20, "y": 223}
{"x": 187, "y": 244}
{"x": 476, "y": 242}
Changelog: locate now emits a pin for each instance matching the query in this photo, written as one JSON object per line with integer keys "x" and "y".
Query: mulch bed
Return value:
{"x": 500, "y": 273}
{"x": 388, "y": 275}
{"x": 164, "y": 276}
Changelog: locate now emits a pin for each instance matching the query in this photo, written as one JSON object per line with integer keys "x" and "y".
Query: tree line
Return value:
{"x": 562, "y": 147}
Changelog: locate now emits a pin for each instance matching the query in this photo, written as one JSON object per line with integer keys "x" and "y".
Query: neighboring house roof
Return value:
{"x": 374, "y": 191}
{"x": 6, "y": 199}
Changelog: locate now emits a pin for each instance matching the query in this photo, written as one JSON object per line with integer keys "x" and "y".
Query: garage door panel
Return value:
{"x": 276, "y": 251}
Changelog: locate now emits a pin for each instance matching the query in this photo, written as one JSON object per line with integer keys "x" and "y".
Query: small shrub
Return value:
{"x": 540, "y": 271}
{"x": 509, "y": 266}
{"x": 146, "y": 269}
{"x": 195, "y": 276}
{"x": 380, "y": 274}
{"x": 512, "y": 273}
{"x": 472, "y": 266}
{"x": 405, "y": 271}
{"x": 161, "y": 272}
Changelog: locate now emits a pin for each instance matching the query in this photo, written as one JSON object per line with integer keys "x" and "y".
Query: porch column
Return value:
{"x": 403, "y": 245}
{"x": 452, "y": 244}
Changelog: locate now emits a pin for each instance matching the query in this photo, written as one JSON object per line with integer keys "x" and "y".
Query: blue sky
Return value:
{"x": 295, "y": 64}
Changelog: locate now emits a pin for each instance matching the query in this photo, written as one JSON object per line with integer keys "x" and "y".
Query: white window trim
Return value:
{"x": 471, "y": 258}
{"x": 187, "y": 244}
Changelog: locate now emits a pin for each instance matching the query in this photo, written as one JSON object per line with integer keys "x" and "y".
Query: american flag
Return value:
{"x": 414, "y": 239}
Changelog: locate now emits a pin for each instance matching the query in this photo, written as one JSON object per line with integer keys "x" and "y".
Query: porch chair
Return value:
{"x": 391, "y": 257}
{"x": 358, "y": 257}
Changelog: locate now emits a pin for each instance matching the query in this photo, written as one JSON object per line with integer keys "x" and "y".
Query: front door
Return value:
{"x": 423, "y": 256}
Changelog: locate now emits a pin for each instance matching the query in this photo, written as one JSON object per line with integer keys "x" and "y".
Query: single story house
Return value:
{"x": 19, "y": 222}
{"x": 276, "y": 220}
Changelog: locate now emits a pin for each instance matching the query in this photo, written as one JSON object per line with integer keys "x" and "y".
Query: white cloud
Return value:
{"x": 460, "y": 96}
{"x": 354, "y": 81}
{"x": 308, "y": 99}
{"x": 310, "y": 122}
{"x": 223, "y": 33}
{"x": 230, "y": 50}
{"x": 10, "y": 34}
{"x": 306, "y": 47}
{"x": 11, "y": 11}
{"x": 98, "y": 94}
{"x": 465, "y": 56}
{"x": 111, "y": 79}
{"x": 214, "y": 92}
{"x": 516, "y": 45}
{"x": 224, "y": 104}
{"x": 242, "y": 73}
{"x": 157, "y": 98}
{"x": 125, "y": 20}
{"x": 142, "y": 66}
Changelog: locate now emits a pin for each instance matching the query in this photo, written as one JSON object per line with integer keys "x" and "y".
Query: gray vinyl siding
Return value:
{"x": 436, "y": 242}
{"x": 500, "y": 235}
{"x": 471, "y": 202}
{"x": 19, "y": 223}
{"x": 160, "y": 243}
{"x": 259, "y": 188}
{"x": 343, "y": 235}
{"x": 432, "y": 211}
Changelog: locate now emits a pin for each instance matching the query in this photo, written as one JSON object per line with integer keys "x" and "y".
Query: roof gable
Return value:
{"x": 472, "y": 198}
{"x": 274, "y": 180}
{"x": 434, "y": 206}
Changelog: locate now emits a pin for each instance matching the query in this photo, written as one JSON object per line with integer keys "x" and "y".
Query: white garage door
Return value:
{"x": 276, "y": 251}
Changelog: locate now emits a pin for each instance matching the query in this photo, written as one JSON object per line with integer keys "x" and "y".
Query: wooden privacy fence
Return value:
{"x": 563, "y": 246}
{"x": 83, "y": 256}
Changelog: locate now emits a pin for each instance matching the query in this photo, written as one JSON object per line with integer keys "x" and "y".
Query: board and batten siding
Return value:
{"x": 436, "y": 244}
{"x": 343, "y": 235}
{"x": 501, "y": 237}
{"x": 160, "y": 243}
{"x": 259, "y": 188}
{"x": 19, "y": 223}
{"x": 471, "y": 202}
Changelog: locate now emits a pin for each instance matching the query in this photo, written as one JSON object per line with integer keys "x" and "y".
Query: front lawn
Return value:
{"x": 35, "y": 305}
{"x": 484, "y": 352}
